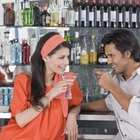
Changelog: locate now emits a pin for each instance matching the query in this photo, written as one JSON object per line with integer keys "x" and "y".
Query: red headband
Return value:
{"x": 51, "y": 44}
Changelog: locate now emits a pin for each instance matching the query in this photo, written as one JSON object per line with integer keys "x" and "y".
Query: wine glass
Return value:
{"x": 95, "y": 71}
{"x": 69, "y": 75}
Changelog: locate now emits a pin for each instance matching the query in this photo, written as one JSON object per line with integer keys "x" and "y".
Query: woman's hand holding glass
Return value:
{"x": 59, "y": 88}
{"x": 69, "y": 76}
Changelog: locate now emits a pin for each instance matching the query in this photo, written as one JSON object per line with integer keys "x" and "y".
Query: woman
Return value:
{"x": 38, "y": 107}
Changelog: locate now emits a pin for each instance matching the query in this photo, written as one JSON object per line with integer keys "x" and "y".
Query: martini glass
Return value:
{"x": 95, "y": 71}
{"x": 69, "y": 75}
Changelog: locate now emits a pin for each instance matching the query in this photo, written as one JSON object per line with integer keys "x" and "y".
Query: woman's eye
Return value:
{"x": 62, "y": 57}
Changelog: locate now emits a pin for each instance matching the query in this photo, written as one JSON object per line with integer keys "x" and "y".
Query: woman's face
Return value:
{"x": 57, "y": 62}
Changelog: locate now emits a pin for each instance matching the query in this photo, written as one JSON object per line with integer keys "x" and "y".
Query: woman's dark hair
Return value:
{"x": 124, "y": 40}
{"x": 38, "y": 86}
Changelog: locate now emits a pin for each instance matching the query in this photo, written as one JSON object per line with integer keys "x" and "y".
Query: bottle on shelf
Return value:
{"x": 137, "y": 11}
{"x": 45, "y": 15}
{"x": 93, "y": 51}
{"x": 76, "y": 49}
{"x": 84, "y": 13}
{"x": 91, "y": 14}
{"x": 102, "y": 58}
{"x": 110, "y": 14}
{"x": 115, "y": 22}
{"x": 9, "y": 15}
{"x": 87, "y": 12}
{"x": 25, "y": 52}
{"x": 78, "y": 12}
{"x": 27, "y": 14}
{"x": 103, "y": 14}
{"x": 1, "y": 14}
{"x": 36, "y": 14}
{"x": 6, "y": 49}
{"x": 84, "y": 58}
{"x": 18, "y": 13}
{"x": 132, "y": 16}
{"x": 70, "y": 15}
{"x": 123, "y": 15}
{"x": 16, "y": 52}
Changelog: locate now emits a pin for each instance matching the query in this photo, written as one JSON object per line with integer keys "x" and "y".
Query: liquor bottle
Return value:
{"x": 116, "y": 14}
{"x": 131, "y": 15}
{"x": 27, "y": 14}
{"x": 6, "y": 48}
{"x": 70, "y": 15}
{"x": 96, "y": 13}
{"x": 102, "y": 59}
{"x": 18, "y": 13}
{"x": 78, "y": 11}
{"x": 84, "y": 59}
{"x": 87, "y": 12}
{"x": 18, "y": 52}
{"x": 137, "y": 9}
{"x": 93, "y": 52}
{"x": 110, "y": 13}
{"x": 103, "y": 14}
{"x": 36, "y": 14}
{"x": 67, "y": 36}
{"x": 83, "y": 15}
{"x": 91, "y": 14}
{"x": 45, "y": 15}
{"x": 9, "y": 15}
{"x": 25, "y": 52}
{"x": 76, "y": 49}
{"x": 1, "y": 14}
{"x": 127, "y": 18}
{"x": 122, "y": 14}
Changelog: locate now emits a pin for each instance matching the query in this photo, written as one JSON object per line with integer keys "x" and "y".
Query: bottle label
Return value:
{"x": 102, "y": 60}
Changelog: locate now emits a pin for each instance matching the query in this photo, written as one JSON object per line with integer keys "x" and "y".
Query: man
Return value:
{"x": 123, "y": 53}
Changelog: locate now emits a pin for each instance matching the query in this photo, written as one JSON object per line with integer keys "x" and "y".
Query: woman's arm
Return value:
{"x": 71, "y": 128}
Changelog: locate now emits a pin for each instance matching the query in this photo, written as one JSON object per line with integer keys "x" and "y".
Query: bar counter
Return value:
{"x": 96, "y": 126}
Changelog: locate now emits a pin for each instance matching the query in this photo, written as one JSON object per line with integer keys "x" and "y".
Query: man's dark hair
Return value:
{"x": 124, "y": 40}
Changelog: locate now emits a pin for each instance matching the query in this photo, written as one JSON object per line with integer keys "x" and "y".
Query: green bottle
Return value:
{"x": 27, "y": 14}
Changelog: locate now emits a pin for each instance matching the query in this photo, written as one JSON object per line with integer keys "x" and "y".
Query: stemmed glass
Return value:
{"x": 109, "y": 70}
{"x": 69, "y": 75}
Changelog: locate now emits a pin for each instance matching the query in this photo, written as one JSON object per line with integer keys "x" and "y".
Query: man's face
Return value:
{"x": 118, "y": 61}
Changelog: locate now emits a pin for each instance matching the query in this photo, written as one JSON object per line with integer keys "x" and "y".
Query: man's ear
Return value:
{"x": 127, "y": 54}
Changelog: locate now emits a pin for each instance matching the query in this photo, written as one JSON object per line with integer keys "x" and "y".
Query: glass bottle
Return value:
{"x": 91, "y": 14}
{"x": 18, "y": 13}
{"x": 103, "y": 14}
{"x": 110, "y": 13}
{"x": 93, "y": 52}
{"x": 18, "y": 52}
{"x": 70, "y": 15}
{"x": 25, "y": 52}
{"x": 102, "y": 59}
{"x": 78, "y": 11}
{"x": 6, "y": 48}
{"x": 36, "y": 14}
{"x": 83, "y": 15}
{"x": 27, "y": 14}
{"x": 84, "y": 59}
{"x": 137, "y": 9}
{"x": 9, "y": 15}
{"x": 116, "y": 14}
{"x": 76, "y": 49}
{"x": 45, "y": 15}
